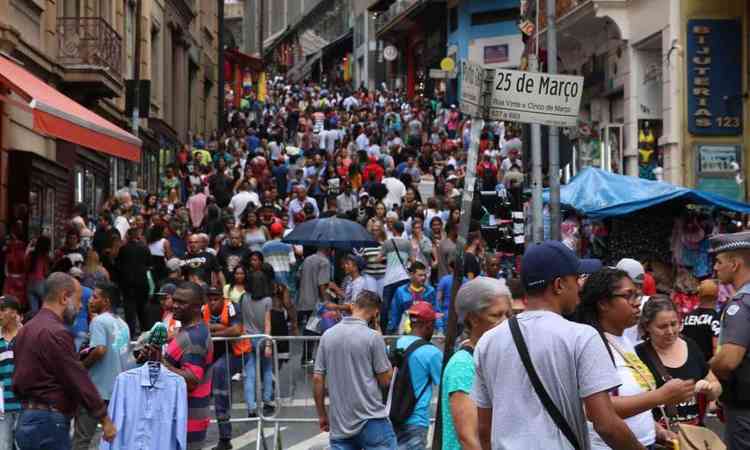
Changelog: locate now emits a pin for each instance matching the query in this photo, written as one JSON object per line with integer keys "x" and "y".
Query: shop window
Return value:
{"x": 495, "y": 16}
{"x": 453, "y": 19}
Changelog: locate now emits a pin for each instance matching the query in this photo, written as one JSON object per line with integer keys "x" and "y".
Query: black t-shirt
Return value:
{"x": 471, "y": 264}
{"x": 202, "y": 264}
{"x": 695, "y": 368}
{"x": 230, "y": 257}
{"x": 702, "y": 325}
{"x": 220, "y": 187}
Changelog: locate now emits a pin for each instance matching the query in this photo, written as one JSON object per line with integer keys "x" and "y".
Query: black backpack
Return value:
{"x": 403, "y": 400}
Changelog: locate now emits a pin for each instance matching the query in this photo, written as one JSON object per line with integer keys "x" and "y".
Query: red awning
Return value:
{"x": 59, "y": 116}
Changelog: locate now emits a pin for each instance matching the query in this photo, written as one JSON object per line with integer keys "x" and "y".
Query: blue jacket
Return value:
{"x": 402, "y": 301}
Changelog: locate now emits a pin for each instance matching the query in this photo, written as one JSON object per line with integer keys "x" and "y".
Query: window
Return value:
{"x": 453, "y": 19}
{"x": 155, "y": 69}
{"x": 495, "y": 15}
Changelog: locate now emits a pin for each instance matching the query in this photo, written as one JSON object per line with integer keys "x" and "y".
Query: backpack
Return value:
{"x": 403, "y": 400}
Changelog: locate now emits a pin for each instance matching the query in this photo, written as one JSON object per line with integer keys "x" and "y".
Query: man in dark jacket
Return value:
{"x": 133, "y": 264}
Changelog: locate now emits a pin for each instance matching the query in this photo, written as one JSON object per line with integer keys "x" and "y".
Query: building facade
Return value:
{"x": 663, "y": 92}
{"x": 65, "y": 72}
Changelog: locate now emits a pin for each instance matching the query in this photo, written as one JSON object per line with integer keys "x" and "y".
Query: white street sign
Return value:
{"x": 390, "y": 53}
{"x": 535, "y": 98}
{"x": 472, "y": 79}
{"x": 437, "y": 73}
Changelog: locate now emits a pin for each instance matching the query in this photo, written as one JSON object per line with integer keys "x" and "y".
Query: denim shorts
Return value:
{"x": 377, "y": 434}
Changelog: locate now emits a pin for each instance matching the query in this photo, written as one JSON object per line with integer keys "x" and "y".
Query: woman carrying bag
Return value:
{"x": 669, "y": 355}
{"x": 610, "y": 303}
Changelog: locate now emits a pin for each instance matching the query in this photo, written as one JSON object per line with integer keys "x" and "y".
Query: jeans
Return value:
{"x": 266, "y": 373}
{"x": 385, "y": 308}
{"x": 223, "y": 369}
{"x": 43, "y": 430}
{"x": 412, "y": 437}
{"x": 8, "y": 430}
{"x": 84, "y": 430}
{"x": 34, "y": 295}
{"x": 377, "y": 434}
{"x": 737, "y": 431}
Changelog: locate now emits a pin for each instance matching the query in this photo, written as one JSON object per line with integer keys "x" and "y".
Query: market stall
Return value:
{"x": 666, "y": 227}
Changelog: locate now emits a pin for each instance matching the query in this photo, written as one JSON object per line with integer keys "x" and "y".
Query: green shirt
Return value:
{"x": 458, "y": 377}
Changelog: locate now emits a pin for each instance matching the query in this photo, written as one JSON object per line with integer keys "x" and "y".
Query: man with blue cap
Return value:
{"x": 731, "y": 363}
{"x": 556, "y": 375}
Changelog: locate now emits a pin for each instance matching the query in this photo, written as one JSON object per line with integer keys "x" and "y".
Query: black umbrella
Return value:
{"x": 331, "y": 232}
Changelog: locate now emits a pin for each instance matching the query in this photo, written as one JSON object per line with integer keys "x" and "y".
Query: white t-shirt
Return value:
{"x": 362, "y": 141}
{"x": 569, "y": 359}
{"x": 240, "y": 200}
{"x": 634, "y": 382}
{"x": 396, "y": 191}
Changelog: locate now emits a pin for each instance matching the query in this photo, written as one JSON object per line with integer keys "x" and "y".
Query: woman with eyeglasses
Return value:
{"x": 669, "y": 355}
{"x": 610, "y": 303}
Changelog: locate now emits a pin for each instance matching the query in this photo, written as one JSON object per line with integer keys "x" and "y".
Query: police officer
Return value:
{"x": 731, "y": 363}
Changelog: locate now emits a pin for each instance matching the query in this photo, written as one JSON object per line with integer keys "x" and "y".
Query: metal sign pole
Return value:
{"x": 554, "y": 137}
{"x": 537, "y": 217}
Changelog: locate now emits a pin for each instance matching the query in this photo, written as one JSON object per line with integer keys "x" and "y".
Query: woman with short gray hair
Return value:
{"x": 481, "y": 304}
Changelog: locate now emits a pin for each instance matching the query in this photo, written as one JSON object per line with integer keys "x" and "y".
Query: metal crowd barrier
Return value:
{"x": 292, "y": 383}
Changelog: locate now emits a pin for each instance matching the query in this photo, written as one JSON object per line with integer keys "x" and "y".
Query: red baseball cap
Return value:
{"x": 422, "y": 310}
{"x": 277, "y": 229}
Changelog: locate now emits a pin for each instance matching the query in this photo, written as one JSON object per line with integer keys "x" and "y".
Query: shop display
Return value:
{"x": 149, "y": 409}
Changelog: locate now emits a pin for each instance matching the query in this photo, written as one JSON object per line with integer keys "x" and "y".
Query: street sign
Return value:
{"x": 437, "y": 73}
{"x": 472, "y": 79}
{"x": 447, "y": 64}
{"x": 390, "y": 53}
{"x": 533, "y": 97}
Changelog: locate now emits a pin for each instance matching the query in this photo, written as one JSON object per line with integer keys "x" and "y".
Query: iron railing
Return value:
{"x": 394, "y": 11}
{"x": 89, "y": 41}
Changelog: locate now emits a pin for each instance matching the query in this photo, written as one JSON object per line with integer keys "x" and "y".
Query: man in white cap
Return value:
{"x": 637, "y": 273}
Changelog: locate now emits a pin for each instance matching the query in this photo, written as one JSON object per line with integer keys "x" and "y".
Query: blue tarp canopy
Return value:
{"x": 599, "y": 194}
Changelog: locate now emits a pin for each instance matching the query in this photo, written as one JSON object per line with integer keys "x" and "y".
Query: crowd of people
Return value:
{"x": 205, "y": 256}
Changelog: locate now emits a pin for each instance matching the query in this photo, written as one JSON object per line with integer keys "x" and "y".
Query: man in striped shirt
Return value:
{"x": 190, "y": 355}
{"x": 279, "y": 255}
{"x": 9, "y": 324}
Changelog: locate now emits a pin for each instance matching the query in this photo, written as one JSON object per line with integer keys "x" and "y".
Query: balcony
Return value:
{"x": 395, "y": 10}
{"x": 90, "y": 52}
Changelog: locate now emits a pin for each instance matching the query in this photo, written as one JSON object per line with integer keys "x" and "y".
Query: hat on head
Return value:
{"x": 358, "y": 260}
{"x": 422, "y": 310}
{"x": 363, "y": 194}
{"x": 213, "y": 290}
{"x": 174, "y": 265}
{"x": 167, "y": 289}
{"x": 729, "y": 242}
{"x": 633, "y": 268}
{"x": 276, "y": 229}
{"x": 707, "y": 289}
{"x": 545, "y": 261}
{"x": 8, "y": 301}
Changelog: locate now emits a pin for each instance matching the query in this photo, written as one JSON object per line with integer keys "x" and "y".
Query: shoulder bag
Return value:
{"x": 546, "y": 400}
{"x": 690, "y": 437}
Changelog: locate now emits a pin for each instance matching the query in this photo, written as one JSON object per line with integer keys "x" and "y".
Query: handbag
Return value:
{"x": 546, "y": 400}
{"x": 690, "y": 437}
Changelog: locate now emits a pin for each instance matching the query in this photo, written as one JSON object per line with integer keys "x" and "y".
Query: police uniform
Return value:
{"x": 735, "y": 329}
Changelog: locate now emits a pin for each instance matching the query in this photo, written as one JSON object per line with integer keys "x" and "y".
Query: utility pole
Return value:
{"x": 467, "y": 199}
{"x": 220, "y": 106}
{"x": 261, "y": 15}
{"x": 537, "y": 216}
{"x": 554, "y": 137}
{"x": 135, "y": 118}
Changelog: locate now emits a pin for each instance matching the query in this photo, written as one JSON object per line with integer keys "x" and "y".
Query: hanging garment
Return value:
{"x": 149, "y": 409}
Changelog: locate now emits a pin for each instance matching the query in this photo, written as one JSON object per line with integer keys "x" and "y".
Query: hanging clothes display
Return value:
{"x": 149, "y": 409}
{"x": 643, "y": 236}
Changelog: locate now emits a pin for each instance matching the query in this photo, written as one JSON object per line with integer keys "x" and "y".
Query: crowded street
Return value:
{"x": 374, "y": 225}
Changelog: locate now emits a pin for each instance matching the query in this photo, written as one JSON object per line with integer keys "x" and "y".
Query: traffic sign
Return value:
{"x": 447, "y": 64}
{"x": 390, "y": 53}
{"x": 472, "y": 79}
{"x": 532, "y": 97}
{"x": 437, "y": 73}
